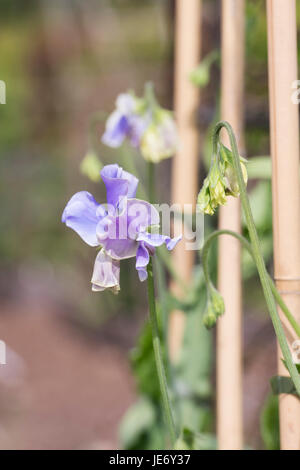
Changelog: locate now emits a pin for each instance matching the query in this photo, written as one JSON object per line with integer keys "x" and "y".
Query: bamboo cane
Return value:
{"x": 184, "y": 176}
{"x": 229, "y": 330}
{"x": 282, "y": 46}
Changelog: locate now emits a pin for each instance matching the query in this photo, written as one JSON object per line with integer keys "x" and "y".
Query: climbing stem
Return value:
{"x": 293, "y": 322}
{"x": 158, "y": 356}
{"x": 257, "y": 255}
{"x": 151, "y": 186}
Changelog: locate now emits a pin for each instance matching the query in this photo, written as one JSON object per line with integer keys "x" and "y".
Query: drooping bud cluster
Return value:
{"x": 215, "y": 307}
{"x": 220, "y": 182}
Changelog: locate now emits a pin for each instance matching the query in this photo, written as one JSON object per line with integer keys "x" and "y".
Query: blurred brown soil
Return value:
{"x": 62, "y": 389}
{"x": 67, "y": 388}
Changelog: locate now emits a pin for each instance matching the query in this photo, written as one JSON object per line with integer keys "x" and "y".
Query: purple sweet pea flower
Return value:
{"x": 124, "y": 122}
{"x": 119, "y": 227}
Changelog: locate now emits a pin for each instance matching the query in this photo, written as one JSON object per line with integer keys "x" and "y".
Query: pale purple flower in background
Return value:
{"x": 124, "y": 122}
{"x": 148, "y": 126}
{"x": 119, "y": 228}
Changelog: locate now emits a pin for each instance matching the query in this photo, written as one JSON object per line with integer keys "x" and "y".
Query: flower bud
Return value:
{"x": 220, "y": 182}
{"x": 212, "y": 193}
{"x": 91, "y": 166}
{"x": 217, "y": 301}
{"x": 209, "y": 318}
{"x": 201, "y": 75}
{"x": 232, "y": 186}
{"x": 217, "y": 194}
{"x": 203, "y": 200}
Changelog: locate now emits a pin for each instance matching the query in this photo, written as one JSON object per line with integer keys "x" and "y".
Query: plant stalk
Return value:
{"x": 293, "y": 322}
{"x": 158, "y": 356}
{"x": 259, "y": 261}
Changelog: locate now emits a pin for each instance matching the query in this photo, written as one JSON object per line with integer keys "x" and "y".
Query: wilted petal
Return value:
{"x": 118, "y": 183}
{"x": 142, "y": 260}
{"x": 106, "y": 274}
{"x": 82, "y": 214}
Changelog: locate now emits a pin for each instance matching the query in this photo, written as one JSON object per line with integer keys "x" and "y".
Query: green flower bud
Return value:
{"x": 220, "y": 182}
{"x": 209, "y": 318}
{"x": 212, "y": 193}
{"x": 203, "y": 200}
{"x": 91, "y": 166}
{"x": 201, "y": 75}
{"x": 232, "y": 186}
{"x": 217, "y": 301}
{"x": 217, "y": 194}
{"x": 245, "y": 173}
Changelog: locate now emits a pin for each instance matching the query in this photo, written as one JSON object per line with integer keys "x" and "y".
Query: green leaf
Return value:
{"x": 143, "y": 364}
{"x": 192, "y": 376}
{"x": 282, "y": 384}
{"x": 138, "y": 419}
{"x": 261, "y": 201}
{"x": 260, "y": 168}
{"x": 269, "y": 423}
{"x": 189, "y": 440}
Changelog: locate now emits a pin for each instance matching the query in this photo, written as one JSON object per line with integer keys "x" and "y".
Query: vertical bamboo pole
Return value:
{"x": 229, "y": 330}
{"x": 282, "y": 46}
{"x": 184, "y": 176}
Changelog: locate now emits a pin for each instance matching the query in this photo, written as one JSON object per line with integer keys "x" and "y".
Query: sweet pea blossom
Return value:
{"x": 160, "y": 140}
{"x": 125, "y": 122}
{"x": 121, "y": 228}
{"x": 148, "y": 126}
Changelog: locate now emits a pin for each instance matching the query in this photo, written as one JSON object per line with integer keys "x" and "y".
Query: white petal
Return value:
{"x": 106, "y": 274}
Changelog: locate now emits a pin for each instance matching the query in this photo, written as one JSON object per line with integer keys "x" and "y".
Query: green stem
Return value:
{"x": 151, "y": 186}
{"x": 162, "y": 292}
{"x": 293, "y": 322}
{"x": 259, "y": 261}
{"x": 158, "y": 356}
{"x": 285, "y": 309}
{"x": 150, "y": 96}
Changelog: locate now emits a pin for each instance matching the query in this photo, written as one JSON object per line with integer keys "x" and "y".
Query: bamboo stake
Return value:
{"x": 229, "y": 330}
{"x": 184, "y": 176}
{"x": 282, "y": 46}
